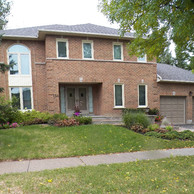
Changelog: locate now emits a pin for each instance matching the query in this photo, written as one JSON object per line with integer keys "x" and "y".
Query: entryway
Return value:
{"x": 77, "y": 96}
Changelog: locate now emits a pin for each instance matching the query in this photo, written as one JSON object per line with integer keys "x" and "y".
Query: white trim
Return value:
{"x": 146, "y": 96}
{"x": 142, "y": 61}
{"x": 67, "y": 47}
{"x": 21, "y": 96}
{"x": 120, "y": 44}
{"x": 123, "y": 97}
{"x": 178, "y": 81}
{"x": 92, "y": 49}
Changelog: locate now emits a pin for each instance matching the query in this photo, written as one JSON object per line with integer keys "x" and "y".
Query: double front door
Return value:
{"x": 77, "y": 96}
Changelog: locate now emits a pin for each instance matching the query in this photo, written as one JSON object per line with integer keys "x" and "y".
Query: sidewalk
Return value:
{"x": 48, "y": 164}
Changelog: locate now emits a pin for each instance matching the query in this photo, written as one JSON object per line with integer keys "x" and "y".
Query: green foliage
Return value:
{"x": 166, "y": 57}
{"x": 153, "y": 111}
{"x": 137, "y": 128}
{"x": 8, "y": 113}
{"x": 84, "y": 120}
{"x": 132, "y": 110}
{"x": 153, "y": 127}
{"x": 131, "y": 119}
{"x": 169, "y": 128}
{"x": 185, "y": 135}
{"x": 159, "y": 21}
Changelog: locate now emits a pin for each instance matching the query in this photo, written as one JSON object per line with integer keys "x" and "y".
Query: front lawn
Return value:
{"x": 172, "y": 175}
{"x": 40, "y": 141}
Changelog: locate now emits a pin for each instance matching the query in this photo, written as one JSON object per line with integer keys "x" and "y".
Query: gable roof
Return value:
{"x": 81, "y": 29}
{"x": 169, "y": 73}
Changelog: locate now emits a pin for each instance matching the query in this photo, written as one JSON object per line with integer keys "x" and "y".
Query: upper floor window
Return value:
{"x": 19, "y": 58}
{"x": 87, "y": 49}
{"x": 118, "y": 95}
{"x": 62, "y": 48}
{"x": 142, "y": 59}
{"x": 118, "y": 51}
{"x": 142, "y": 96}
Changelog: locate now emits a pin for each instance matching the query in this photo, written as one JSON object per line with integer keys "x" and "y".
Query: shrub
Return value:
{"x": 137, "y": 128}
{"x": 169, "y": 128}
{"x": 131, "y": 119}
{"x": 35, "y": 117}
{"x": 132, "y": 110}
{"x": 66, "y": 123}
{"x": 8, "y": 111}
{"x": 84, "y": 120}
{"x": 153, "y": 111}
{"x": 153, "y": 127}
{"x": 185, "y": 135}
{"x": 59, "y": 116}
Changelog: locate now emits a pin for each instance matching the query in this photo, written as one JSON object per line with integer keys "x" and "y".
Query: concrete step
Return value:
{"x": 107, "y": 120}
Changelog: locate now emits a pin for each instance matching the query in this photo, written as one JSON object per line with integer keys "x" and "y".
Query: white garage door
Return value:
{"x": 173, "y": 108}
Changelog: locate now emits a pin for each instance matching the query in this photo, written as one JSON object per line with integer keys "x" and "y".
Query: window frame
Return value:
{"x": 123, "y": 97}
{"x": 67, "y": 48}
{"x": 92, "y": 49}
{"x": 145, "y": 61}
{"x": 21, "y": 97}
{"x": 19, "y": 60}
{"x": 146, "y": 96}
{"x": 120, "y": 44}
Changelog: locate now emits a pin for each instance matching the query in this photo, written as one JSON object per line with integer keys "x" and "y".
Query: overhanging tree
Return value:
{"x": 155, "y": 23}
{"x": 4, "y": 11}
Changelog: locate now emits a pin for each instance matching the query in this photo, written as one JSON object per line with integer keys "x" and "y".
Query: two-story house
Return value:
{"x": 58, "y": 67}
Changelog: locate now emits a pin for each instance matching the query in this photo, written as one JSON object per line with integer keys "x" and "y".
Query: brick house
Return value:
{"x": 57, "y": 67}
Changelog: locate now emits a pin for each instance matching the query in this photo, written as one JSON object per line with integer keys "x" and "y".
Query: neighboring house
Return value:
{"x": 59, "y": 66}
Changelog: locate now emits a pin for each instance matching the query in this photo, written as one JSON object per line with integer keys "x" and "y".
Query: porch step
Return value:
{"x": 107, "y": 120}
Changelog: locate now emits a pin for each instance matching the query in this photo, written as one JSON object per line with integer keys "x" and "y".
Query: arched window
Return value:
{"x": 19, "y": 58}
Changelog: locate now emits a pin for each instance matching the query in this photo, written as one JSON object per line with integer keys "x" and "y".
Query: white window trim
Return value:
{"x": 121, "y": 44}
{"x": 92, "y": 52}
{"x": 123, "y": 97}
{"x": 146, "y": 95}
{"x": 19, "y": 61}
{"x": 67, "y": 47}
{"x": 21, "y": 97}
{"x": 142, "y": 61}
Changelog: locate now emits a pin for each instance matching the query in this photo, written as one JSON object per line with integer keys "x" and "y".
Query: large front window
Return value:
{"x": 22, "y": 97}
{"x": 118, "y": 95}
{"x": 19, "y": 59}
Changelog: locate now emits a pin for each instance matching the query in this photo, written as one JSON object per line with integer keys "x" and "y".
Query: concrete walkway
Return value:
{"x": 48, "y": 164}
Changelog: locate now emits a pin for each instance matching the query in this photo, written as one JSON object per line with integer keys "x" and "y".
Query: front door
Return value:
{"x": 77, "y": 96}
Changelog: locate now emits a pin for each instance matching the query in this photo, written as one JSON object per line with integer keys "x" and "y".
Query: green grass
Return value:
{"x": 39, "y": 141}
{"x": 172, "y": 175}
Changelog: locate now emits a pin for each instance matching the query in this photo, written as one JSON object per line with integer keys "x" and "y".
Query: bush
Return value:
{"x": 137, "y": 128}
{"x": 35, "y": 117}
{"x": 132, "y": 110}
{"x": 8, "y": 111}
{"x": 84, "y": 120}
{"x": 185, "y": 135}
{"x": 153, "y": 111}
{"x": 131, "y": 119}
{"x": 66, "y": 123}
{"x": 153, "y": 127}
{"x": 169, "y": 128}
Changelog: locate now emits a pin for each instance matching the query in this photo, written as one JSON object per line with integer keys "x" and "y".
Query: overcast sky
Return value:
{"x": 26, "y": 13}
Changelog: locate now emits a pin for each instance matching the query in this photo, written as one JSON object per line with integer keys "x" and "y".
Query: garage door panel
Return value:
{"x": 173, "y": 108}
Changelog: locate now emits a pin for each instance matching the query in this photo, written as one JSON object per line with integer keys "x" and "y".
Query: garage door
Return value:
{"x": 173, "y": 108}
{"x": 193, "y": 110}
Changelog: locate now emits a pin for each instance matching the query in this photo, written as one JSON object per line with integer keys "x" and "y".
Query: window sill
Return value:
{"x": 118, "y": 107}
{"x": 142, "y": 107}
